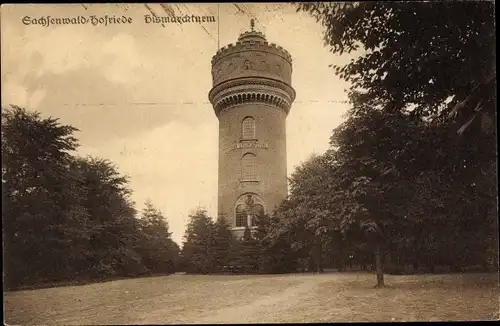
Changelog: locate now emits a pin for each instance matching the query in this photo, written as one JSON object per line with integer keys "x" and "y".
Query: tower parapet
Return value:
{"x": 251, "y": 70}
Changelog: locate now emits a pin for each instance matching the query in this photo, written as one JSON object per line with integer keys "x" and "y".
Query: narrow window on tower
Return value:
{"x": 249, "y": 167}
{"x": 241, "y": 216}
{"x": 248, "y": 128}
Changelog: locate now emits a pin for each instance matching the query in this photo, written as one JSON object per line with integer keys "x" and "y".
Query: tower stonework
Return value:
{"x": 251, "y": 97}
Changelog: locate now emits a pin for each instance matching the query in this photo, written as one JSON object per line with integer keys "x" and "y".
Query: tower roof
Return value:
{"x": 252, "y": 35}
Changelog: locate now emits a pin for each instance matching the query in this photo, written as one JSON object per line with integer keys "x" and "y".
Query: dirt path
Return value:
{"x": 268, "y": 309}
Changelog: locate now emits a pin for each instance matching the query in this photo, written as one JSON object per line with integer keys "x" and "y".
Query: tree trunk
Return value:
{"x": 318, "y": 258}
{"x": 378, "y": 266}
{"x": 416, "y": 265}
{"x": 485, "y": 266}
{"x": 311, "y": 264}
{"x": 388, "y": 260}
{"x": 341, "y": 256}
{"x": 456, "y": 267}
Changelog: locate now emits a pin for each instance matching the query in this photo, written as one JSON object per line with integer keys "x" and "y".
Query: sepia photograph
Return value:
{"x": 245, "y": 163}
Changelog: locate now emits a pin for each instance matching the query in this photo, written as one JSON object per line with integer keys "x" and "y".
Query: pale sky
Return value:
{"x": 139, "y": 92}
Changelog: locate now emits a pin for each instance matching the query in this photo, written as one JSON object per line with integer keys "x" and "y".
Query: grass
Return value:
{"x": 331, "y": 297}
{"x": 405, "y": 298}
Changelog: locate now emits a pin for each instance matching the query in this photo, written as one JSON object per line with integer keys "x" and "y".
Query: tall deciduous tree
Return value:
{"x": 114, "y": 228}
{"x": 40, "y": 200}
{"x": 276, "y": 253}
{"x": 425, "y": 73}
{"x": 416, "y": 53}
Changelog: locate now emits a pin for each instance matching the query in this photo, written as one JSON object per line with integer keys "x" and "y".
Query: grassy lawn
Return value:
{"x": 252, "y": 299}
{"x": 406, "y": 298}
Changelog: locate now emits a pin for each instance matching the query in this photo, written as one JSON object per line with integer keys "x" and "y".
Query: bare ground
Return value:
{"x": 331, "y": 297}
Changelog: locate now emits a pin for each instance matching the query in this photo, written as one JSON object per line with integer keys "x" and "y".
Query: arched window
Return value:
{"x": 249, "y": 167}
{"x": 241, "y": 216}
{"x": 247, "y": 208}
{"x": 248, "y": 128}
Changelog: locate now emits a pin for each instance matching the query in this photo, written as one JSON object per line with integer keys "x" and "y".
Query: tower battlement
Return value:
{"x": 251, "y": 69}
{"x": 252, "y": 40}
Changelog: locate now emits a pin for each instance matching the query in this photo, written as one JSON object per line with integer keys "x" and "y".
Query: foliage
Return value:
{"x": 417, "y": 53}
{"x": 38, "y": 197}
{"x": 197, "y": 248}
{"x": 399, "y": 172}
{"x": 158, "y": 250}
{"x": 277, "y": 254}
{"x": 248, "y": 253}
{"x": 66, "y": 217}
{"x": 221, "y": 243}
{"x": 113, "y": 228}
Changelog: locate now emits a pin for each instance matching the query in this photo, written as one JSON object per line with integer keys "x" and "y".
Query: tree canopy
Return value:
{"x": 69, "y": 218}
{"x": 397, "y": 175}
{"x": 416, "y": 56}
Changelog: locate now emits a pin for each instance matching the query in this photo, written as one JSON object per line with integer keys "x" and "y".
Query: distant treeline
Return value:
{"x": 67, "y": 218}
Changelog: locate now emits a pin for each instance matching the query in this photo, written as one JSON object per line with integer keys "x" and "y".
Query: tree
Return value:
{"x": 114, "y": 230}
{"x": 274, "y": 235}
{"x": 415, "y": 60}
{"x": 315, "y": 207}
{"x": 352, "y": 188}
{"x": 69, "y": 218}
{"x": 222, "y": 239}
{"x": 364, "y": 174}
{"x": 198, "y": 243}
{"x": 418, "y": 81}
{"x": 262, "y": 224}
{"x": 415, "y": 53}
{"x": 248, "y": 252}
{"x": 412, "y": 180}
{"x": 159, "y": 251}
{"x": 40, "y": 197}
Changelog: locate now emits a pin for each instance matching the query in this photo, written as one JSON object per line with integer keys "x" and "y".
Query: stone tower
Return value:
{"x": 251, "y": 97}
